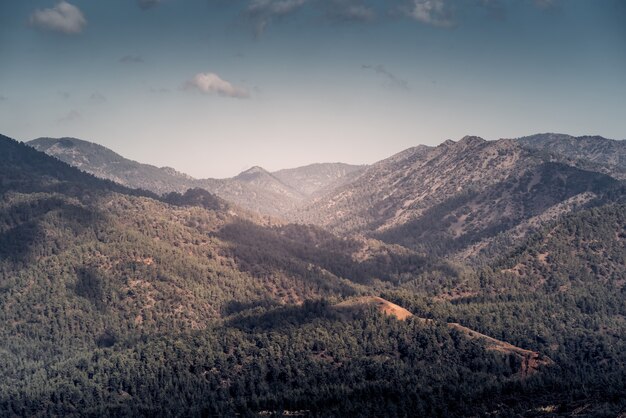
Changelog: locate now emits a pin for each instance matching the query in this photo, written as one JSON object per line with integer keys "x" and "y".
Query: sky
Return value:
{"x": 213, "y": 87}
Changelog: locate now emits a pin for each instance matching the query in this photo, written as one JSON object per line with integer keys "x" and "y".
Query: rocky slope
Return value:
{"x": 402, "y": 187}
{"x": 603, "y": 152}
{"x": 444, "y": 199}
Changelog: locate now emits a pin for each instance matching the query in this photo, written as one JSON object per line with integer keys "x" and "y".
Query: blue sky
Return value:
{"x": 212, "y": 87}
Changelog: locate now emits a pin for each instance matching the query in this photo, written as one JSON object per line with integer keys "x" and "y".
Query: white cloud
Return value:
{"x": 64, "y": 17}
{"x": 262, "y": 12}
{"x": 432, "y": 12}
{"x": 211, "y": 83}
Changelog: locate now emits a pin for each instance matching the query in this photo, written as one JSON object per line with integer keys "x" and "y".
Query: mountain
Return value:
{"x": 55, "y": 216}
{"x": 401, "y": 187}
{"x": 446, "y": 199}
{"x": 138, "y": 302}
{"x": 477, "y": 222}
{"x": 104, "y": 163}
{"x": 255, "y": 189}
{"x": 121, "y": 302}
{"x": 601, "y": 151}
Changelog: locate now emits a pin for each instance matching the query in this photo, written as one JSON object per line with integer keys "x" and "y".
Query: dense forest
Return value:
{"x": 120, "y": 302}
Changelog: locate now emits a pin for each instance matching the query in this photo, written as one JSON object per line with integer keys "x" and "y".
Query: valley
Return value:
{"x": 490, "y": 264}
{"x": 313, "y": 208}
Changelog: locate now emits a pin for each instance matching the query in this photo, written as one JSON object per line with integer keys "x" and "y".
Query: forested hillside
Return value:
{"x": 95, "y": 279}
{"x": 119, "y": 302}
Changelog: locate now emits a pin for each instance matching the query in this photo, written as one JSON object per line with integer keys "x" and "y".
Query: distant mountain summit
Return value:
{"x": 256, "y": 188}
{"x": 252, "y": 174}
{"x": 261, "y": 179}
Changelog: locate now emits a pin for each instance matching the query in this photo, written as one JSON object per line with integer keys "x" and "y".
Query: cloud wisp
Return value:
{"x": 211, "y": 83}
{"x": 64, "y": 18}
{"x": 391, "y": 78}
{"x": 436, "y": 13}
{"x": 262, "y": 12}
{"x": 432, "y": 12}
{"x": 345, "y": 11}
{"x": 97, "y": 98}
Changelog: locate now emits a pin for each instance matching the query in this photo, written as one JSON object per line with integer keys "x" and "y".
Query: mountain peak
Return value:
{"x": 471, "y": 140}
{"x": 65, "y": 141}
{"x": 252, "y": 172}
{"x": 254, "y": 169}
{"x": 467, "y": 140}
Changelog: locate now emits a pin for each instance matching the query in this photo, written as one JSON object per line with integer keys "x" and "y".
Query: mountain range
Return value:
{"x": 255, "y": 189}
{"x": 472, "y": 278}
{"x": 458, "y": 195}
{"x": 458, "y": 198}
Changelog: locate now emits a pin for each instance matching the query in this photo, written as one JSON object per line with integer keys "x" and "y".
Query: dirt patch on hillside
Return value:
{"x": 530, "y": 361}
{"x": 386, "y": 307}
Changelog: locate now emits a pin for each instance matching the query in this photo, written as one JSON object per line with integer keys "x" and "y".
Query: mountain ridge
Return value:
{"x": 458, "y": 192}
{"x": 601, "y": 154}
{"x": 255, "y": 189}
{"x": 488, "y": 188}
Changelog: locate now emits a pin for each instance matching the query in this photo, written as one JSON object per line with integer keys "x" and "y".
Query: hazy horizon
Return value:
{"x": 272, "y": 170}
{"x": 212, "y": 88}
